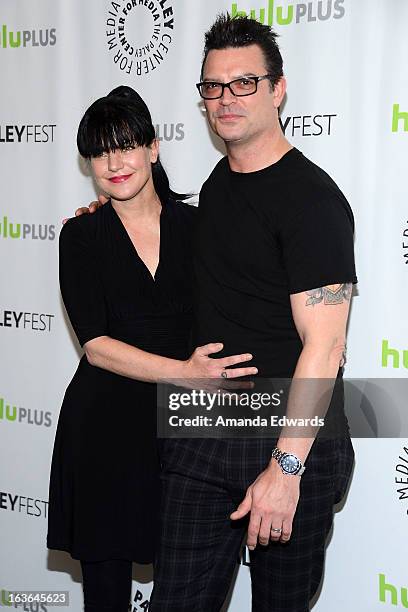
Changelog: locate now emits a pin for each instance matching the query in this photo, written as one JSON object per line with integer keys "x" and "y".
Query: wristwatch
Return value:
{"x": 289, "y": 463}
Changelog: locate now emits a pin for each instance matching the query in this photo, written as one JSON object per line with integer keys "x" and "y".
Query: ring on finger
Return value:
{"x": 224, "y": 374}
{"x": 276, "y": 530}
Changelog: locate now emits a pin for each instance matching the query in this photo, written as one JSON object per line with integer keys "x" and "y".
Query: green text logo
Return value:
{"x": 399, "y": 119}
{"x": 29, "y": 231}
{"x": 393, "y": 358}
{"x": 5, "y": 598}
{"x": 388, "y": 593}
{"x": 26, "y": 38}
{"x": 275, "y": 14}
{"x": 8, "y": 412}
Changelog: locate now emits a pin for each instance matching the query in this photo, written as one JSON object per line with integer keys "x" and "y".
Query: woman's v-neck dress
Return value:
{"x": 104, "y": 484}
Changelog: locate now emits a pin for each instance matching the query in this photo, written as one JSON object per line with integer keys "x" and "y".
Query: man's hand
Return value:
{"x": 93, "y": 206}
{"x": 272, "y": 501}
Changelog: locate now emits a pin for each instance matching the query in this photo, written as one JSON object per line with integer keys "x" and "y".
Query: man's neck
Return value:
{"x": 259, "y": 154}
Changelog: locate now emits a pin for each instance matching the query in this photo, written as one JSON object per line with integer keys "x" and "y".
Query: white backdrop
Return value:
{"x": 346, "y": 108}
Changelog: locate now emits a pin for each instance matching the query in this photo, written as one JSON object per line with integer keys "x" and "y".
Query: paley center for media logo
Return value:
{"x": 27, "y": 416}
{"x": 401, "y": 477}
{"x": 139, "y": 34}
{"x": 26, "y": 231}
{"x": 405, "y": 243}
{"x": 297, "y": 12}
{"x": 139, "y": 602}
{"x": 27, "y": 38}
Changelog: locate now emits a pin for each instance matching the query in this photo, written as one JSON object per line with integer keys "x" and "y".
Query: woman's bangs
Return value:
{"x": 111, "y": 127}
{"x": 111, "y": 136}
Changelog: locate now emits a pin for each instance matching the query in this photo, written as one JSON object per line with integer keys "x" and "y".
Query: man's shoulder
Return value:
{"x": 219, "y": 172}
{"x": 306, "y": 176}
{"x": 307, "y": 189}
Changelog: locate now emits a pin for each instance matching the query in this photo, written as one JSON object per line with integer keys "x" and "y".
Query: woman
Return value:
{"x": 126, "y": 281}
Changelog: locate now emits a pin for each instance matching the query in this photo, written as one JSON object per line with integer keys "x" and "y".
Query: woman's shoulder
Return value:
{"x": 83, "y": 227}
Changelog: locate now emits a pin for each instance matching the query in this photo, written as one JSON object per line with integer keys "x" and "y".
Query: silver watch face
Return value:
{"x": 290, "y": 464}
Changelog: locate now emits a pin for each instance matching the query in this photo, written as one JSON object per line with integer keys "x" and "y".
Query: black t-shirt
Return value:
{"x": 263, "y": 236}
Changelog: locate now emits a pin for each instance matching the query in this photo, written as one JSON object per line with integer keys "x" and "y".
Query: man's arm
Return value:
{"x": 320, "y": 316}
{"x": 93, "y": 207}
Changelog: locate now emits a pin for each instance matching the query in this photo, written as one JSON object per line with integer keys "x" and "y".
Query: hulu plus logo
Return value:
{"x": 388, "y": 593}
{"x": 30, "y": 231}
{"x": 393, "y": 358}
{"x": 8, "y": 412}
{"x": 399, "y": 119}
{"x": 299, "y": 12}
{"x": 27, "y": 38}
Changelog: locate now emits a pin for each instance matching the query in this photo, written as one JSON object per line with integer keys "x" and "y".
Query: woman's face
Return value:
{"x": 124, "y": 173}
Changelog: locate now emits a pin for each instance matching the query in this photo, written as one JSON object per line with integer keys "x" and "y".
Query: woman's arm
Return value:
{"x": 83, "y": 295}
{"x": 126, "y": 360}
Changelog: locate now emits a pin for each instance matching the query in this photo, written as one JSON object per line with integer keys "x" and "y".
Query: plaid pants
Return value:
{"x": 203, "y": 482}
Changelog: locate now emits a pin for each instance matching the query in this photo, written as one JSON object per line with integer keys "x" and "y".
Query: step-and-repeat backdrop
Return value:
{"x": 346, "y": 108}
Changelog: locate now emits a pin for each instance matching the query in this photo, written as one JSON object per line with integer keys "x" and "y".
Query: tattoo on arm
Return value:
{"x": 344, "y": 357}
{"x": 332, "y": 294}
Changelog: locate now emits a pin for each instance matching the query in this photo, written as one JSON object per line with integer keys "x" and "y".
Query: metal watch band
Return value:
{"x": 279, "y": 455}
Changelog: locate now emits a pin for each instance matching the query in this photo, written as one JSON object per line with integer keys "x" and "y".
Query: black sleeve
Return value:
{"x": 80, "y": 283}
{"x": 318, "y": 244}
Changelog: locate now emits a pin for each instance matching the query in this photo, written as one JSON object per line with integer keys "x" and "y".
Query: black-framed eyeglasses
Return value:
{"x": 244, "y": 86}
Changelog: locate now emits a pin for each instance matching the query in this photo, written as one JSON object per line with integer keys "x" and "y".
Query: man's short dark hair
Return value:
{"x": 242, "y": 31}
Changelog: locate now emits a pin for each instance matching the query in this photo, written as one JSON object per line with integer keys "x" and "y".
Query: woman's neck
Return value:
{"x": 145, "y": 205}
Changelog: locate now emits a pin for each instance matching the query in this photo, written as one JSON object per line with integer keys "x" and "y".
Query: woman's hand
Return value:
{"x": 201, "y": 365}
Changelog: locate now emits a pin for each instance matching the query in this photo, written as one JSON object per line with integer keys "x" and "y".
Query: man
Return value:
{"x": 274, "y": 268}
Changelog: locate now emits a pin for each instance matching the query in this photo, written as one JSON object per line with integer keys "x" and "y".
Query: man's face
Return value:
{"x": 241, "y": 119}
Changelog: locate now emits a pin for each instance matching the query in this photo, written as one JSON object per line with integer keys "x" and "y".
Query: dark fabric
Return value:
{"x": 203, "y": 482}
{"x": 104, "y": 484}
{"x": 107, "y": 585}
{"x": 263, "y": 236}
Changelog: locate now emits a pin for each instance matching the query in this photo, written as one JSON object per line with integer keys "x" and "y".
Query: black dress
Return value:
{"x": 104, "y": 485}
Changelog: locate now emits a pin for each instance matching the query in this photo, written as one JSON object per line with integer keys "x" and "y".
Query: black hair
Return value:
{"x": 242, "y": 31}
{"x": 117, "y": 121}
